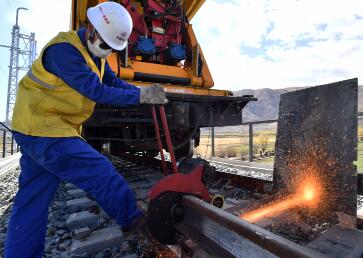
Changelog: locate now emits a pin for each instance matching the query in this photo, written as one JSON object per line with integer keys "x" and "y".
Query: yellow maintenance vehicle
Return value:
{"x": 162, "y": 49}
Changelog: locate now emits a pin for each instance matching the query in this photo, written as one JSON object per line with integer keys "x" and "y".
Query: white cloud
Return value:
{"x": 240, "y": 20}
{"x": 330, "y": 35}
{"x": 308, "y": 42}
{"x": 46, "y": 19}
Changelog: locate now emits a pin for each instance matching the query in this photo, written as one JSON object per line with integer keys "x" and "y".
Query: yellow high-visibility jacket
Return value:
{"x": 45, "y": 105}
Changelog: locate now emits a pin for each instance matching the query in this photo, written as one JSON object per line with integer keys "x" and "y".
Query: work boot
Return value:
{"x": 136, "y": 226}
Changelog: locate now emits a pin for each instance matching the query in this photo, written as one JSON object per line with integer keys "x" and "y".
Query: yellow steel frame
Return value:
{"x": 192, "y": 7}
{"x": 172, "y": 88}
{"x": 201, "y": 81}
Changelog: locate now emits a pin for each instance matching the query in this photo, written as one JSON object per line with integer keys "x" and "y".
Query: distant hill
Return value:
{"x": 267, "y": 106}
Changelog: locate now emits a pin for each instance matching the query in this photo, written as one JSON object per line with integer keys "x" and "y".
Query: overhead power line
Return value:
{"x": 3, "y": 72}
{"x": 10, "y": 7}
{"x": 1, "y": 69}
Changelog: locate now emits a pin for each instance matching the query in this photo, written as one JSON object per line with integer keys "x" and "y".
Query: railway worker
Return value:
{"x": 56, "y": 96}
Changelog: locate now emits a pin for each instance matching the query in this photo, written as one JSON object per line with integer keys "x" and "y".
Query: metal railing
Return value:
{"x": 8, "y": 144}
{"x": 251, "y": 155}
{"x": 250, "y": 135}
{"x": 251, "y": 147}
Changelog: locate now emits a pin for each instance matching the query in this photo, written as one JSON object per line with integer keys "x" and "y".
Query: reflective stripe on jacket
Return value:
{"x": 45, "y": 105}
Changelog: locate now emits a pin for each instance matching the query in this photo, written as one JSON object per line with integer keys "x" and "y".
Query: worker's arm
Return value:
{"x": 110, "y": 79}
{"x": 65, "y": 61}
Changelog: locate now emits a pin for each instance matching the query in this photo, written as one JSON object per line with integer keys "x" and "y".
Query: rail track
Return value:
{"x": 79, "y": 228}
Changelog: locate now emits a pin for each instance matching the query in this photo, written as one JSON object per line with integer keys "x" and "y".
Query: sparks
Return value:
{"x": 308, "y": 194}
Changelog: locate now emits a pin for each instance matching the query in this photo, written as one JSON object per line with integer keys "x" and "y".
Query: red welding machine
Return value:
{"x": 190, "y": 177}
{"x": 165, "y": 208}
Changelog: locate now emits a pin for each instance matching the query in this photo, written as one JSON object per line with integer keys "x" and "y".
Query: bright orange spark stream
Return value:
{"x": 307, "y": 195}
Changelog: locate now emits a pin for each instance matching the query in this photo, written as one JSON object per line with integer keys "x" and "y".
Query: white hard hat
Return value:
{"x": 113, "y": 22}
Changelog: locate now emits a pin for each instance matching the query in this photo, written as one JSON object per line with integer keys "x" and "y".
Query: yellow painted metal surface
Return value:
{"x": 192, "y": 7}
{"x": 206, "y": 75}
{"x": 172, "y": 88}
{"x": 201, "y": 81}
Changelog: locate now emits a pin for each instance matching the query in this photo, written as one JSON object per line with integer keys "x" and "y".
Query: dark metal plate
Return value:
{"x": 317, "y": 133}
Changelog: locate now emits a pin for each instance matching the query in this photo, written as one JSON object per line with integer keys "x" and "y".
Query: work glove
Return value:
{"x": 153, "y": 94}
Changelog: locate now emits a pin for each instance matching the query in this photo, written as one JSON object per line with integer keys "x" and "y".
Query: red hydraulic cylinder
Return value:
{"x": 168, "y": 138}
{"x": 157, "y": 132}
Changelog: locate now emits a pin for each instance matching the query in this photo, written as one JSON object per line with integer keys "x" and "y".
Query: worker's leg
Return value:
{"x": 28, "y": 222}
{"x": 75, "y": 161}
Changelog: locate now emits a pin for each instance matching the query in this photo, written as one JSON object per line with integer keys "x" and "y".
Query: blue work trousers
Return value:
{"x": 44, "y": 162}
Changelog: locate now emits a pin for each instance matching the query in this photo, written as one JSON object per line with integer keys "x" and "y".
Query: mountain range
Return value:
{"x": 267, "y": 106}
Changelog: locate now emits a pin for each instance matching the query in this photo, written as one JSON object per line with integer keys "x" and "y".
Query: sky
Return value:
{"x": 44, "y": 17}
{"x": 248, "y": 44}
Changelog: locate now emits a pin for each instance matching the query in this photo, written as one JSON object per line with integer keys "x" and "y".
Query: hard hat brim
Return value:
{"x": 92, "y": 17}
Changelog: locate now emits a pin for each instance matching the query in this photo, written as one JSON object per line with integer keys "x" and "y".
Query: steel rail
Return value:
{"x": 9, "y": 163}
{"x": 226, "y": 235}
